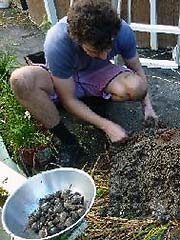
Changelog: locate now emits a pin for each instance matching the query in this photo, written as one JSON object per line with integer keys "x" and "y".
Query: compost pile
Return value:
{"x": 145, "y": 176}
{"x": 56, "y": 212}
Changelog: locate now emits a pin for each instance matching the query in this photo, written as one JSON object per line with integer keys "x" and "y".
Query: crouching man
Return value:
{"x": 78, "y": 50}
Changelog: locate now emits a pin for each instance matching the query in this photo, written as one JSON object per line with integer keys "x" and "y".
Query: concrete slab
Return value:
{"x": 21, "y": 40}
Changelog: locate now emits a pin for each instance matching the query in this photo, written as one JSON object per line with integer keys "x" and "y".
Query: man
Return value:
{"x": 78, "y": 50}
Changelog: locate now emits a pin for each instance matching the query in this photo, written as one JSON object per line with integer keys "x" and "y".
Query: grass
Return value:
{"x": 45, "y": 25}
{"x": 17, "y": 128}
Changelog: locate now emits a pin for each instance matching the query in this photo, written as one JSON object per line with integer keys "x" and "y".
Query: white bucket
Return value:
{"x": 4, "y": 3}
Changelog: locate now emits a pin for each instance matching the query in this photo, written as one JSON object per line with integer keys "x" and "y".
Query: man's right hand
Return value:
{"x": 115, "y": 132}
{"x": 65, "y": 90}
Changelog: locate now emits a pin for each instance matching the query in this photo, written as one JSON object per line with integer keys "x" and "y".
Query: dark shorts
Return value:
{"x": 94, "y": 83}
{"x": 88, "y": 83}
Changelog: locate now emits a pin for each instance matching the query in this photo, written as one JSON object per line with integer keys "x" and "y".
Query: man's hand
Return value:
{"x": 115, "y": 132}
{"x": 65, "y": 89}
{"x": 148, "y": 110}
{"x": 150, "y": 117}
{"x": 149, "y": 113}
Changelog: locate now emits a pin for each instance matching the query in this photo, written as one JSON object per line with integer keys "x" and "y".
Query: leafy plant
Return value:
{"x": 152, "y": 232}
{"x": 6, "y": 62}
{"x": 100, "y": 192}
{"x": 17, "y": 128}
{"x": 45, "y": 25}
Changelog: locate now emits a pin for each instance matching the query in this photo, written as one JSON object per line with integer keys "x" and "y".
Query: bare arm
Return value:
{"x": 65, "y": 90}
{"x": 136, "y": 66}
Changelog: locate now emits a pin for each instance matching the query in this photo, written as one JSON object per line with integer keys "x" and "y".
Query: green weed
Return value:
{"x": 101, "y": 192}
{"x": 7, "y": 61}
{"x": 17, "y": 128}
{"x": 151, "y": 232}
{"x": 45, "y": 25}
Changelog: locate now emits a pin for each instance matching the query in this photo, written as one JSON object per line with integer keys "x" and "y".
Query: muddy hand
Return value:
{"x": 116, "y": 133}
{"x": 150, "y": 117}
{"x": 150, "y": 122}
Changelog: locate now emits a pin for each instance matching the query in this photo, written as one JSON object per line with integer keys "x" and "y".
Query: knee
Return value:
{"x": 136, "y": 88}
{"x": 22, "y": 82}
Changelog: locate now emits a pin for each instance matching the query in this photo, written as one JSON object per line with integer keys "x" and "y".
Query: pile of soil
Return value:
{"x": 145, "y": 179}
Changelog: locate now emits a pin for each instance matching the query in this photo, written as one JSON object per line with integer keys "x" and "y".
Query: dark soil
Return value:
{"x": 145, "y": 178}
{"x": 160, "y": 54}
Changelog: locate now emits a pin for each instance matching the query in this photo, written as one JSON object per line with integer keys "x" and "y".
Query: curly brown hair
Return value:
{"x": 93, "y": 22}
